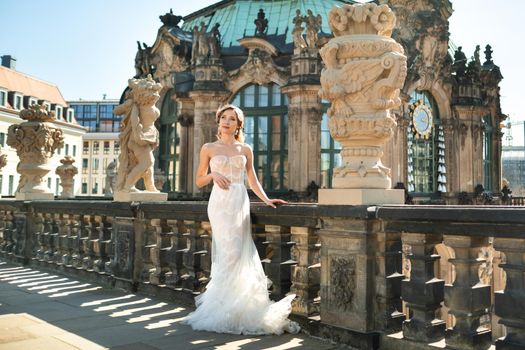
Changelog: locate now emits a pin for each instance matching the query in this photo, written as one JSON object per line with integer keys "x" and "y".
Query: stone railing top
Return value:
{"x": 499, "y": 221}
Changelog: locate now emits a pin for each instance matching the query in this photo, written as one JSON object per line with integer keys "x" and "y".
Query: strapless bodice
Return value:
{"x": 233, "y": 167}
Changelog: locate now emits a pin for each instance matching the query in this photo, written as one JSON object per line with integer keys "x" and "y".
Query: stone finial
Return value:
{"x": 488, "y": 55}
{"x": 35, "y": 142}
{"x": 362, "y": 19}
{"x": 138, "y": 138}
{"x": 362, "y": 80}
{"x": 67, "y": 172}
{"x": 169, "y": 19}
{"x": 261, "y": 23}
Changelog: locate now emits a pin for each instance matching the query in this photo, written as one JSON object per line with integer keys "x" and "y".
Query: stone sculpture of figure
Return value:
{"x": 460, "y": 62}
{"x": 261, "y": 23}
{"x": 138, "y": 135}
{"x": 142, "y": 60}
{"x": 111, "y": 174}
{"x": 195, "y": 45}
{"x": 298, "y": 29}
{"x": 476, "y": 56}
{"x": 214, "y": 41}
{"x": 202, "y": 42}
{"x": 313, "y": 25}
{"x": 3, "y": 159}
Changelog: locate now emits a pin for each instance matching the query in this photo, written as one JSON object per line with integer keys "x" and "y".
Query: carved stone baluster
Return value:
{"x": 52, "y": 254}
{"x": 467, "y": 298}
{"x": 61, "y": 239}
{"x": 423, "y": 292}
{"x": 156, "y": 274}
{"x": 277, "y": 262}
{"x": 71, "y": 240}
{"x": 205, "y": 254}
{"x": 149, "y": 251}
{"x": 174, "y": 253}
{"x": 164, "y": 247}
{"x": 7, "y": 232}
{"x": 191, "y": 259}
{"x": 306, "y": 274}
{"x": 75, "y": 241}
{"x": 88, "y": 229}
{"x": 510, "y": 302}
{"x": 101, "y": 243}
{"x": 3, "y": 230}
{"x": 388, "y": 279}
{"x": 40, "y": 227}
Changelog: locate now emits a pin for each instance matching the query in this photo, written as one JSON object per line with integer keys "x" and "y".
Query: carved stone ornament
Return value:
{"x": 138, "y": 138}
{"x": 342, "y": 281}
{"x": 259, "y": 67}
{"x": 111, "y": 177}
{"x": 364, "y": 71}
{"x": 35, "y": 142}
{"x": 67, "y": 172}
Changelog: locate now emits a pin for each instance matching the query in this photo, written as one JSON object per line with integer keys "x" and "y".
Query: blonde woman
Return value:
{"x": 236, "y": 298}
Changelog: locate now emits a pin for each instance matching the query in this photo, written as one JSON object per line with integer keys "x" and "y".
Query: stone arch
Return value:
{"x": 241, "y": 81}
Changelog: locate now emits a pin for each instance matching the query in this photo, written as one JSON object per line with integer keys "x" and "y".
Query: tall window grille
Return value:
{"x": 426, "y": 171}
{"x": 266, "y": 130}
{"x": 487, "y": 153}
{"x": 169, "y": 143}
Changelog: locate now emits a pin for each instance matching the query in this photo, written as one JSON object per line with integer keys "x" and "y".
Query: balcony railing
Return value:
{"x": 381, "y": 277}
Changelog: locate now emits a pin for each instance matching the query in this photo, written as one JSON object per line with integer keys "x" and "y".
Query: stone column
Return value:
{"x": 364, "y": 71}
{"x": 467, "y": 298}
{"x": 510, "y": 302}
{"x": 422, "y": 292}
{"x": 35, "y": 142}
{"x": 185, "y": 110}
{"x": 450, "y": 130}
{"x": 67, "y": 172}
{"x": 304, "y": 136}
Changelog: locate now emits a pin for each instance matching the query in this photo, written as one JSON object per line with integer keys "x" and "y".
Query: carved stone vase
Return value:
{"x": 364, "y": 70}
{"x": 67, "y": 172}
{"x": 35, "y": 142}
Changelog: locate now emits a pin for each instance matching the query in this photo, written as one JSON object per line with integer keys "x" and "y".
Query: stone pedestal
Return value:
{"x": 67, "y": 172}
{"x": 356, "y": 196}
{"x": 143, "y": 196}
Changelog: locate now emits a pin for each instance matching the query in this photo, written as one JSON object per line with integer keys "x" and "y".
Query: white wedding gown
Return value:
{"x": 236, "y": 298}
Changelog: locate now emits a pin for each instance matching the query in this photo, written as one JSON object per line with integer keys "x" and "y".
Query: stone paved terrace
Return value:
{"x": 44, "y": 310}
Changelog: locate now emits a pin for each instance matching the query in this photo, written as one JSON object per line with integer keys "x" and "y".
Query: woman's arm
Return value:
{"x": 254, "y": 183}
{"x": 203, "y": 178}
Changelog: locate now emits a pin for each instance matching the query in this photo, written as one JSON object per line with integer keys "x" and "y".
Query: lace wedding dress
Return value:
{"x": 236, "y": 298}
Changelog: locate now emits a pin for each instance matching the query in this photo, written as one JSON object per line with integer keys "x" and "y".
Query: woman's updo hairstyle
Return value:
{"x": 239, "y": 134}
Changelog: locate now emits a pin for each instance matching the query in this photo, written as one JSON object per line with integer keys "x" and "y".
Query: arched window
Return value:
{"x": 425, "y": 146}
{"x": 266, "y": 130}
{"x": 169, "y": 142}
{"x": 330, "y": 152}
{"x": 487, "y": 152}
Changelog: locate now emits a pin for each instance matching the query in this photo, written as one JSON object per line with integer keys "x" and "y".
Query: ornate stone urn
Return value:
{"x": 364, "y": 70}
{"x": 67, "y": 172}
{"x": 35, "y": 142}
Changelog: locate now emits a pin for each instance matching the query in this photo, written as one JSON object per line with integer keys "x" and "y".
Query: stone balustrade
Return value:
{"x": 374, "y": 277}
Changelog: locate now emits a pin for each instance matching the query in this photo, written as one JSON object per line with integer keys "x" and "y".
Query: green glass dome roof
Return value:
{"x": 236, "y": 18}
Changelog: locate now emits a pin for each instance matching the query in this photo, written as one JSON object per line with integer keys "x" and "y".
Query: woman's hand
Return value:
{"x": 221, "y": 180}
{"x": 275, "y": 202}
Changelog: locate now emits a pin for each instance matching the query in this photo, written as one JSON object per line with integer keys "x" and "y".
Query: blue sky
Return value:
{"x": 88, "y": 47}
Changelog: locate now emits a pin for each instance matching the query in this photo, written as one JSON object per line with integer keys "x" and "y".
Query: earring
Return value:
{"x": 236, "y": 131}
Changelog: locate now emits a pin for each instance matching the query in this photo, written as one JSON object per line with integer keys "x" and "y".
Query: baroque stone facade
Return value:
{"x": 446, "y": 138}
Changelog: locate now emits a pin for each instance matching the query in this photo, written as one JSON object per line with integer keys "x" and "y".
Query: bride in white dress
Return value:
{"x": 236, "y": 298}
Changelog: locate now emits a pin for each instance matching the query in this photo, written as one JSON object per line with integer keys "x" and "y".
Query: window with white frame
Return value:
{"x": 3, "y": 97}
{"x": 58, "y": 112}
{"x": 33, "y": 101}
{"x": 18, "y": 102}
{"x": 70, "y": 114}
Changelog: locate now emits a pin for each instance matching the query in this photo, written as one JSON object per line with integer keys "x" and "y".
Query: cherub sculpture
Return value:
{"x": 138, "y": 135}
